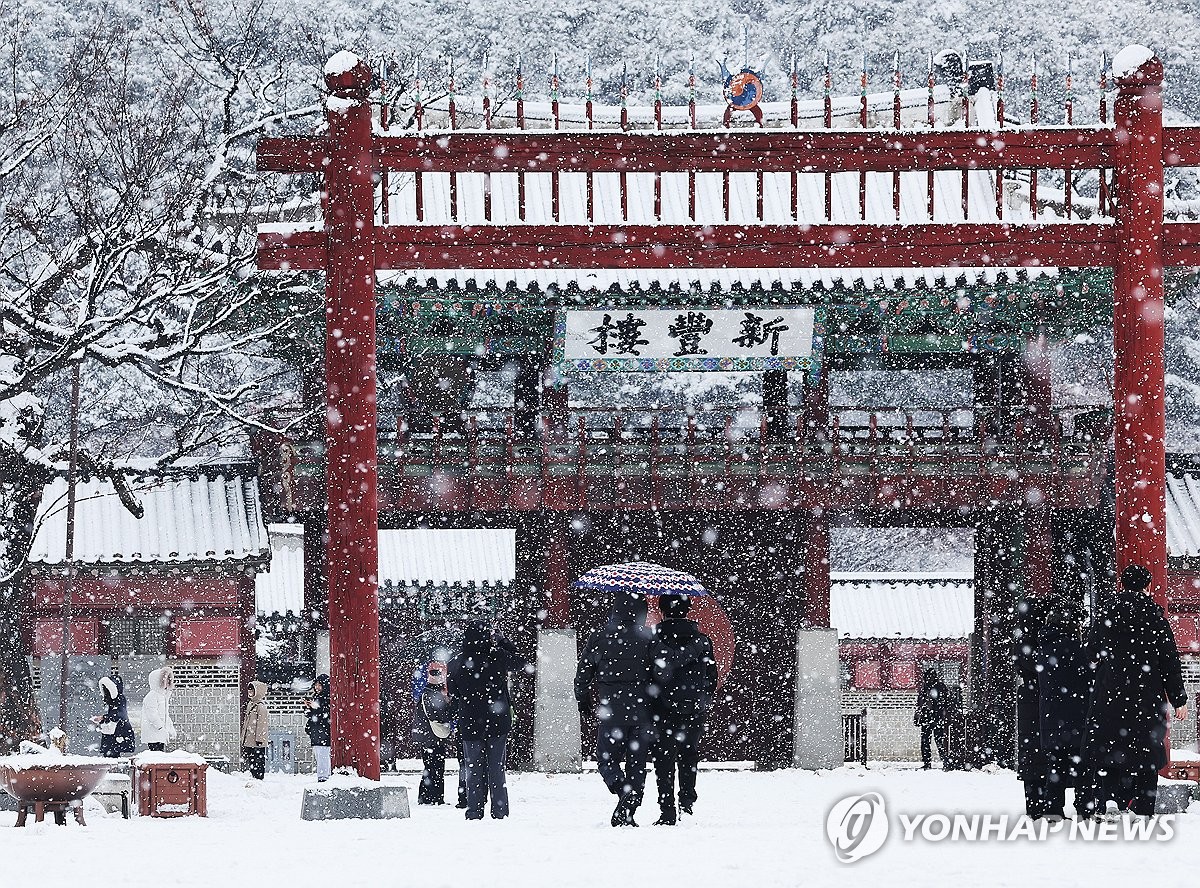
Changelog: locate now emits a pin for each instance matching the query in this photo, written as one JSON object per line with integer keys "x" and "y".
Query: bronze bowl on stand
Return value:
{"x": 54, "y": 786}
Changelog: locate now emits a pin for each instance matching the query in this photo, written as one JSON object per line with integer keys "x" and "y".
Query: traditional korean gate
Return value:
{"x": 1138, "y": 243}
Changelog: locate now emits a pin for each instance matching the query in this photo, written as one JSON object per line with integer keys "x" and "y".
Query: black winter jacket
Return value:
{"x": 1064, "y": 688}
{"x": 1137, "y": 672}
{"x": 683, "y": 671}
{"x": 432, "y": 705}
{"x": 615, "y": 664}
{"x": 478, "y": 683}
{"x": 317, "y": 726}
{"x": 933, "y": 705}
{"x": 1031, "y": 761}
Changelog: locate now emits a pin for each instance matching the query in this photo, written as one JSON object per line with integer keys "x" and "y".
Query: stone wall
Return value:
{"x": 1184, "y": 733}
{"x": 287, "y": 714}
{"x": 206, "y": 708}
{"x": 891, "y": 734}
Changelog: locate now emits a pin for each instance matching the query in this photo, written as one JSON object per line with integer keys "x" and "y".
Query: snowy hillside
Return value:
{"x": 226, "y": 72}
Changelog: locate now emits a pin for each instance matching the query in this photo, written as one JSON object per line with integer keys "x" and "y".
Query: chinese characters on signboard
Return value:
{"x": 743, "y": 338}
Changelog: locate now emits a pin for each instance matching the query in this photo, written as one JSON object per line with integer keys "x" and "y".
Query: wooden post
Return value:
{"x": 1138, "y": 324}
{"x": 816, "y": 570}
{"x": 351, "y": 482}
{"x": 1039, "y": 551}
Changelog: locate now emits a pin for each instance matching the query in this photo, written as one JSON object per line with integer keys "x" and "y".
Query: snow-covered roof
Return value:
{"x": 280, "y": 588}
{"x": 406, "y": 558}
{"x": 1183, "y": 515}
{"x": 902, "y": 606}
{"x": 448, "y": 557}
{"x": 187, "y": 518}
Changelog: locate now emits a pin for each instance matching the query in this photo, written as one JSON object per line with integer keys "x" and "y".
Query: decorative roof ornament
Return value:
{"x": 743, "y": 91}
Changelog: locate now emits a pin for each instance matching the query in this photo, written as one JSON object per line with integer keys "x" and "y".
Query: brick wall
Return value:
{"x": 206, "y": 708}
{"x": 891, "y": 734}
{"x": 287, "y": 714}
{"x": 1185, "y": 732}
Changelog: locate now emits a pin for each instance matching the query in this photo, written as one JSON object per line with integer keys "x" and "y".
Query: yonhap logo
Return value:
{"x": 857, "y": 826}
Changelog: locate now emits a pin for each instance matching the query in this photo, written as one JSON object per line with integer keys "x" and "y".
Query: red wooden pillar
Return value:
{"x": 816, "y": 570}
{"x": 557, "y": 589}
{"x": 1138, "y": 327}
{"x": 816, "y": 405}
{"x": 351, "y": 554}
{"x": 1037, "y": 385}
{"x": 1039, "y": 551}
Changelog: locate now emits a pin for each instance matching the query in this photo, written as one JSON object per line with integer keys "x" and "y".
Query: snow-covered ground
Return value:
{"x": 750, "y": 829}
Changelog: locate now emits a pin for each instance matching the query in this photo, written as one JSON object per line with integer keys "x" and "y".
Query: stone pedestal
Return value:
{"x": 1174, "y": 796}
{"x": 818, "y": 731}
{"x": 556, "y": 747}
{"x": 355, "y": 803}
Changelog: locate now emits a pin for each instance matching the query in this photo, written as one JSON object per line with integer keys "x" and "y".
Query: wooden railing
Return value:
{"x": 666, "y": 442}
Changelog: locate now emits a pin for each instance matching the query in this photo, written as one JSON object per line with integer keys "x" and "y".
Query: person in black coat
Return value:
{"x": 683, "y": 676}
{"x": 931, "y": 717}
{"x": 316, "y": 725}
{"x": 1053, "y": 688}
{"x": 1137, "y": 672}
{"x": 431, "y": 726}
{"x": 116, "y": 732}
{"x": 1064, "y": 689}
{"x": 615, "y": 665}
{"x": 478, "y": 686}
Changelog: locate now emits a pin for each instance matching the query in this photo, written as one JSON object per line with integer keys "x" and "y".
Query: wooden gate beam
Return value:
{"x": 400, "y": 247}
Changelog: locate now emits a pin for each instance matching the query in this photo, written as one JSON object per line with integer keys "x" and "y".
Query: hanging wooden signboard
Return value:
{"x": 636, "y": 338}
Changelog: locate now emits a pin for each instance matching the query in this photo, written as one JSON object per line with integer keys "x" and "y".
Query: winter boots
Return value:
{"x": 626, "y": 807}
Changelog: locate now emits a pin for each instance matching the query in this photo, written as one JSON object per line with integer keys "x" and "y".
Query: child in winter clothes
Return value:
{"x": 157, "y": 727}
{"x": 256, "y": 731}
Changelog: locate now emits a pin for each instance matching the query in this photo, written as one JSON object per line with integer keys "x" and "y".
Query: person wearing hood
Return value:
{"x": 1137, "y": 674}
{"x": 256, "y": 731}
{"x": 116, "y": 733}
{"x": 317, "y": 726}
{"x": 683, "y": 674}
{"x": 157, "y": 727}
{"x": 478, "y": 691}
{"x": 615, "y": 668}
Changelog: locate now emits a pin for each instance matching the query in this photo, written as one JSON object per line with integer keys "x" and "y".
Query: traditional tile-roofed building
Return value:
{"x": 176, "y": 585}
{"x": 891, "y": 627}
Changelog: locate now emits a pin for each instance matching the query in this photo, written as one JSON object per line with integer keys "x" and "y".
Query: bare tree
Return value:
{"x": 128, "y": 203}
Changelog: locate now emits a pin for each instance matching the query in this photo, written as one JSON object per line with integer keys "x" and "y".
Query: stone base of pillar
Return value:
{"x": 556, "y": 747}
{"x": 818, "y": 733}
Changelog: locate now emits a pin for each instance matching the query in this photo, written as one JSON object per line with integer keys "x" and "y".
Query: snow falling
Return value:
{"x": 493, "y": 429}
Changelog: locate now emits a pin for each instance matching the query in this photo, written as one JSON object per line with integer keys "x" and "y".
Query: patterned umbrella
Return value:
{"x": 640, "y": 576}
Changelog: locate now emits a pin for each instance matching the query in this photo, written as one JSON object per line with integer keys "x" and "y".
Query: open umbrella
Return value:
{"x": 645, "y": 577}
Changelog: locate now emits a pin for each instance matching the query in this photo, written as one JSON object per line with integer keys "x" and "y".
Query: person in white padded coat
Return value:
{"x": 157, "y": 727}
